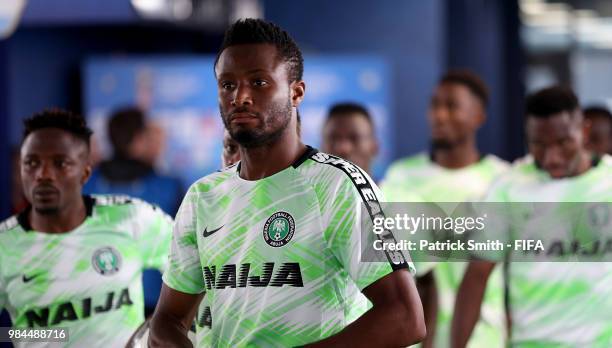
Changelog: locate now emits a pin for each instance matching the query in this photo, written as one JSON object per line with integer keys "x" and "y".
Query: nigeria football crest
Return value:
{"x": 106, "y": 260}
{"x": 279, "y": 229}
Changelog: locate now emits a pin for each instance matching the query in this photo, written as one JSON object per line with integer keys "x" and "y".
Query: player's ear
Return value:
{"x": 86, "y": 173}
{"x": 87, "y": 167}
{"x": 298, "y": 89}
{"x": 481, "y": 116}
{"x": 375, "y": 147}
{"x": 586, "y": 130}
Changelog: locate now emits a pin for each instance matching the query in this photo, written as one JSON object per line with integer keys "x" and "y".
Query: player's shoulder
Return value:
{"x": 525, "y": 167}
{"x": 410, "y": 163}
{"x": 10, "y": 225}
{"x": 521, "y": 171}
{"x": 495, "y": 163}
{"x": 214, "y": 180}
{"x": 321, "y": 165}
{"x": 10, "y": 230}
{"x": 329, "y": 175}
{"x": 606, "y": 162}
{"x": 116, "y": 200}
{"x": 601, "y": 170}
{"x": 109, "y": 203}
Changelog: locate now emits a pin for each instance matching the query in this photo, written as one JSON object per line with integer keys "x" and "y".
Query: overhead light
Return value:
{"x": 10, "y": 13}
{"x": 182, "y": 9}
{"x": 164, "y": 9}
{"x": 585, "y": 14}
{"x": 149, "y": 7}
{"x": 246, "y": 9}
{"x": 533, "y": 7}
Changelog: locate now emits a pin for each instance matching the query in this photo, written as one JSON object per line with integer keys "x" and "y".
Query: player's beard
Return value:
{"x": 440, "y": 144}
{"x": 46, "y": 207}
{"x": 47, "y": 210}
{"x": 446, "y": 144}
{"x": 270, "y": 130}
{"x": 572, "y": 168}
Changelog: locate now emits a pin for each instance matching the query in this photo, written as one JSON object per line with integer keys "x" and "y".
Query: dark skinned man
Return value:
{"x": 73, "y": 261}
{"x": 453, "y": 171}
{"x": 348, "y": 132}
{"x": 274, "y": 241}
{"x": 552, "y": 304}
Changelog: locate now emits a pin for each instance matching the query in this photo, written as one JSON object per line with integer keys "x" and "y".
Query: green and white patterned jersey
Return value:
{"x": 418, "y": 178}
{"x": 87, "y": 280}
{"x": 558, "y": 304}
{"x": 279, "y": 258}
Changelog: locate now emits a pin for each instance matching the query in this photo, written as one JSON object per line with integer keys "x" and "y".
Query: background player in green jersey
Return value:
{"x": 75, "y": 261}
{"x": 552, "y": 304}
{"x": 286, "y": 219}
{"x": 454, "y": 171}
{"x": 348, "y": 132}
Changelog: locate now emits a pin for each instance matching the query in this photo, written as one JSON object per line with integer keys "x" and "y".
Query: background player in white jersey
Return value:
{"x": 75, "y": 261}
{"x": 348, "y": 132}
{"x": 552, "y": 304}
{"x": 275, "y": 241}
{"x": 454, "y": 171}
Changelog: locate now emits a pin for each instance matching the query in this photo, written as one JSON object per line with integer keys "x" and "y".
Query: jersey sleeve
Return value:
{"x": 155, "y": 236}
{"x": 344, "y": 235}
{"x": 184, "y": 271}
{"x": 395, "y": 188}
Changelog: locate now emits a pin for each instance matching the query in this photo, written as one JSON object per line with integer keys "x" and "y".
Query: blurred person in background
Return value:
{"x": 599, "y": 139}
{"x": 137, "y": 144}
{"x": 552, "y": 304}
{"x": 70, "y": 260}
{"x": 95, "y": 154}
{"x": 18, "y": 199}
{"x": 231, "y": 153}
{"x": 453, "y": 171}
{"x": 348, "y": 132}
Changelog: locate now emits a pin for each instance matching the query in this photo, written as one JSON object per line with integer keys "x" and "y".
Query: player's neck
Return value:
{"x": 366, "y": 168}
{"x": 63, "y": 221}
{"x": 458, "y": 156}
{"x": 263, "y": 161}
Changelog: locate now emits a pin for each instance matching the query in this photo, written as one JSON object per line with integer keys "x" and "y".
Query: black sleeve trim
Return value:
{"x": 396, "y": 258}
{"x": 310, "y": 151}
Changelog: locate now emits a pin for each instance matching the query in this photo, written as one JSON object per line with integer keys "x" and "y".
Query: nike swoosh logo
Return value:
{"x": 26, "y": 279}
{"x": 208, "y": 234}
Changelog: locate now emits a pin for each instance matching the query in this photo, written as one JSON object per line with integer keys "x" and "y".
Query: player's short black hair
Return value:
{"x": 551, "y": 101}
{"x": 71, "y": 122}
{"x": 341, "y": 109}
{"x": 470, "y": 80}
{"x": 123, "y": 126}
{"x": 597, "y": 111}
{"x": 259, "y": 31}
